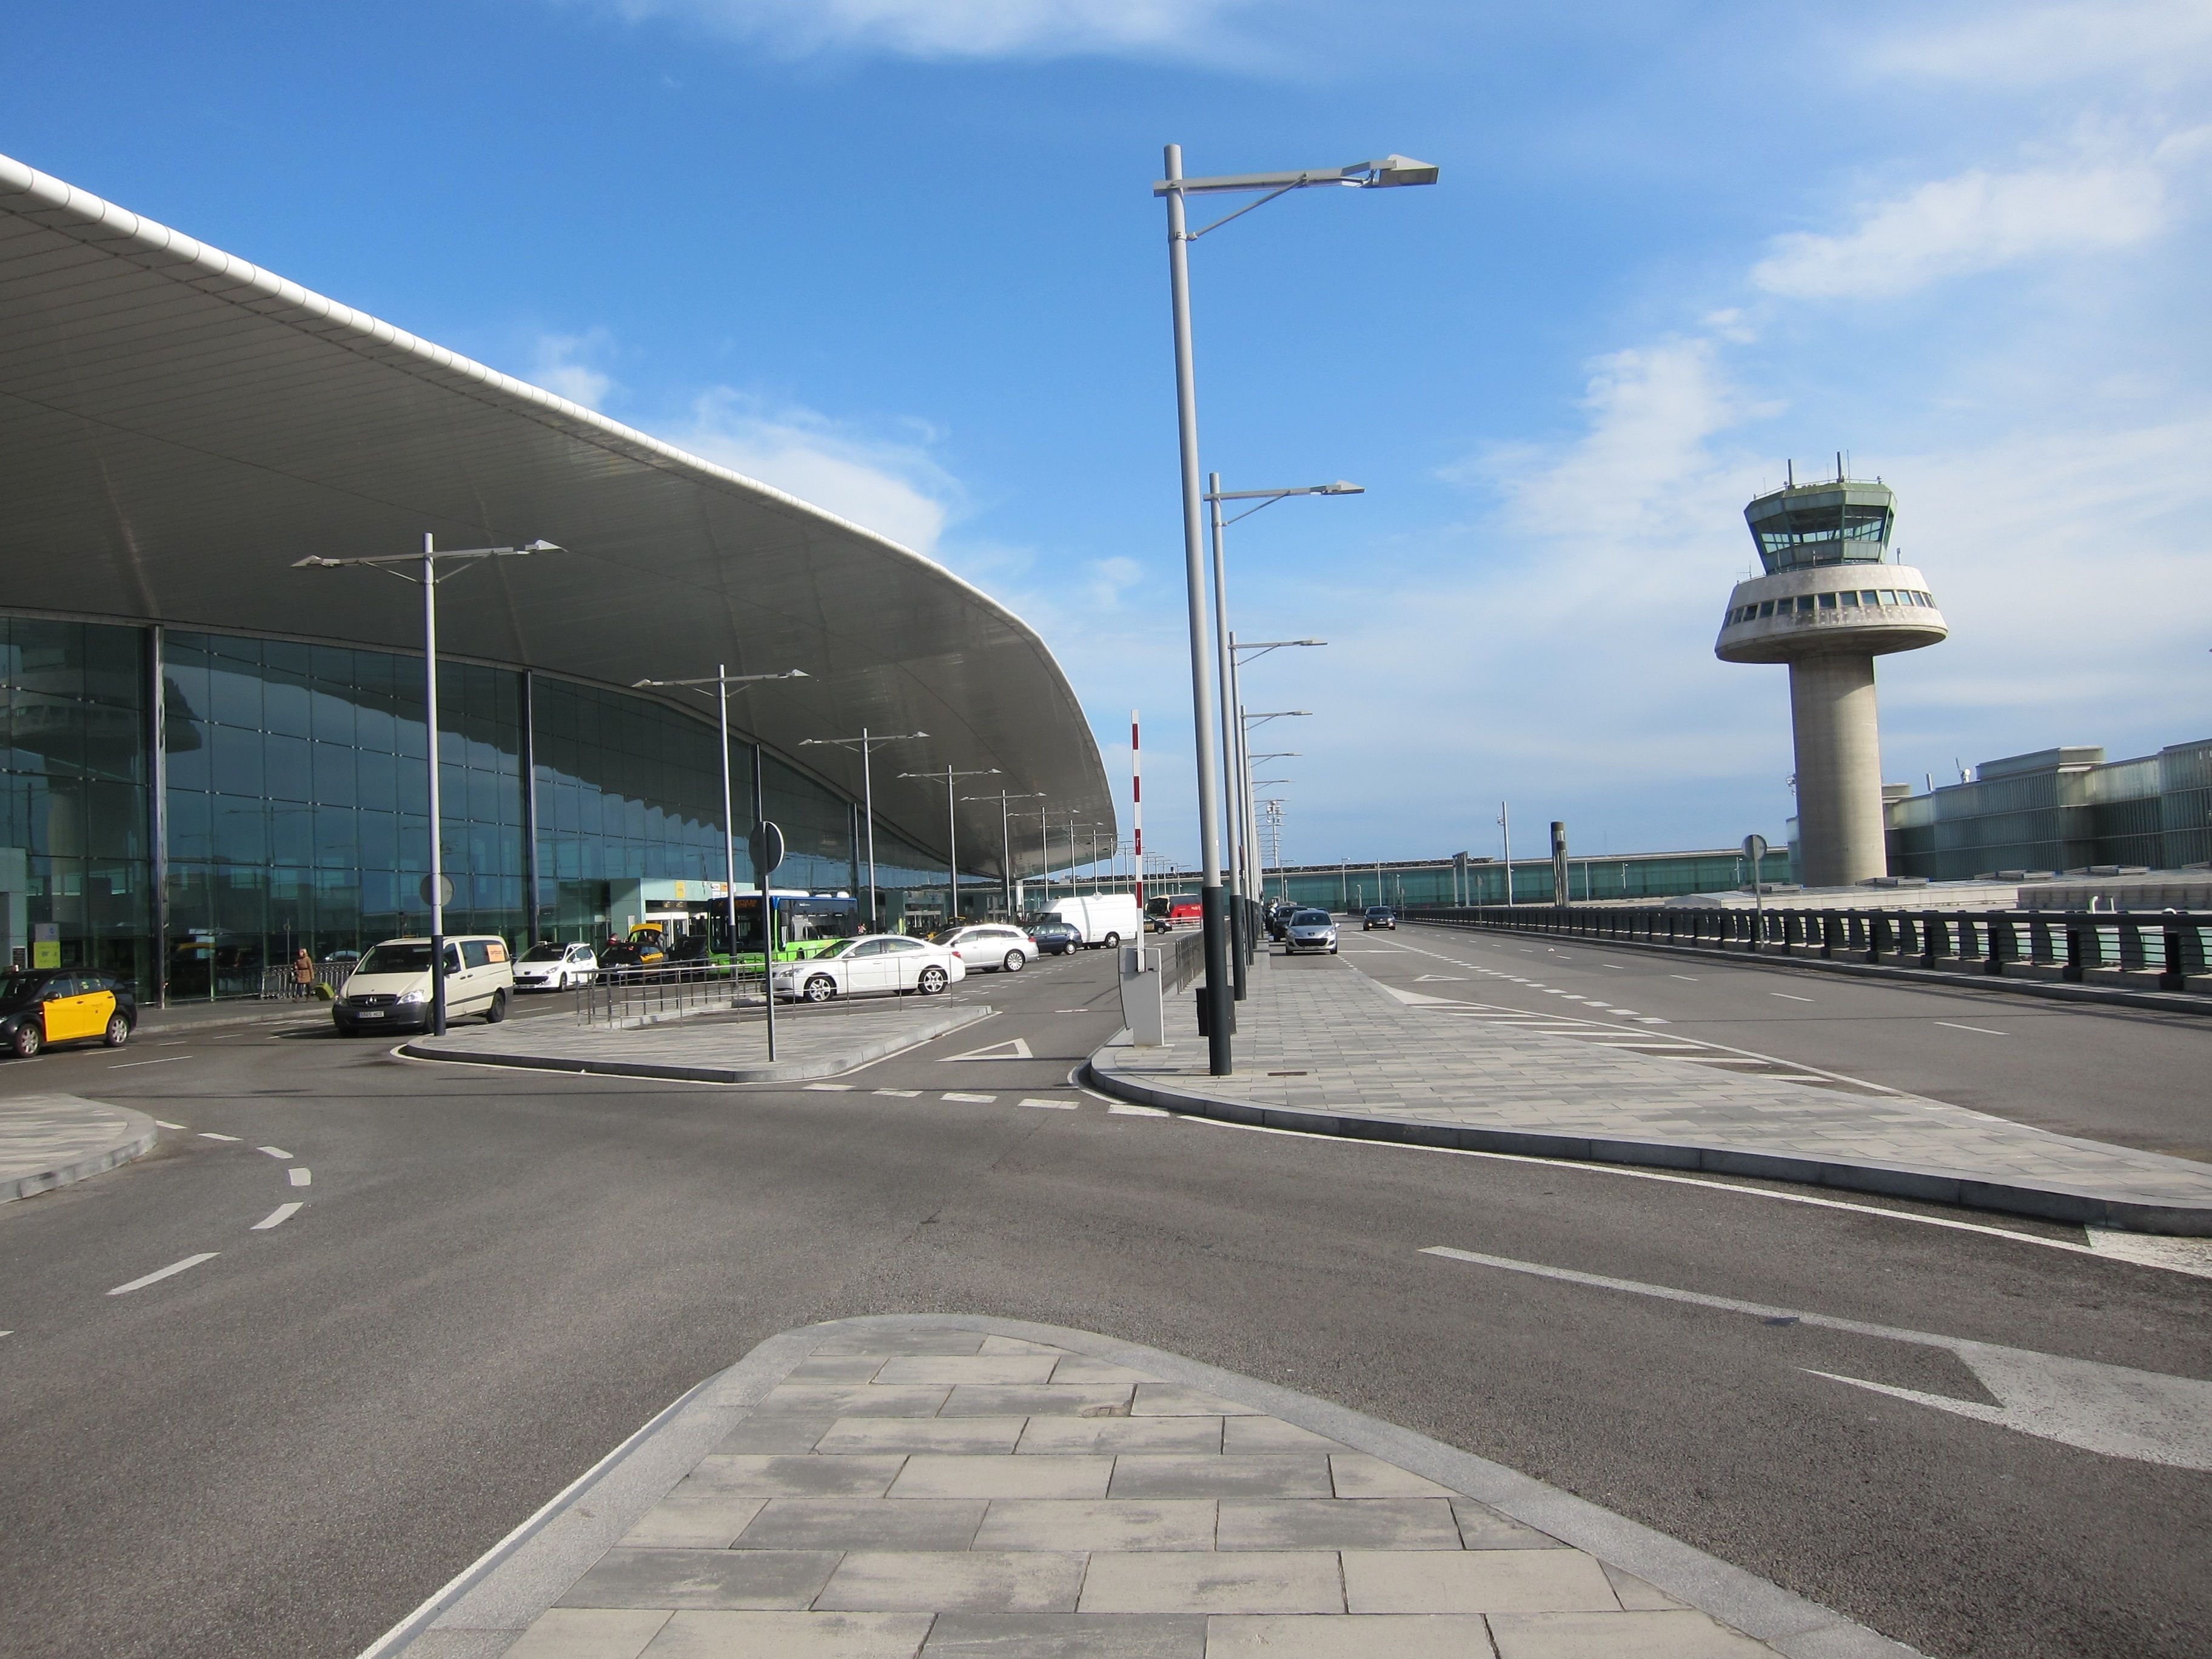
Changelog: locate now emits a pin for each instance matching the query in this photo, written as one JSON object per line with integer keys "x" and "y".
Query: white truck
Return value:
{"x": 1102, "y": 919}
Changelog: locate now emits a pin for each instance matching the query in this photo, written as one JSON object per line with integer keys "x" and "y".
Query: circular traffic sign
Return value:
{"x": 765, "y": 844}
{"x": 445, "y": 889}
{"x": 1754, "y": 847}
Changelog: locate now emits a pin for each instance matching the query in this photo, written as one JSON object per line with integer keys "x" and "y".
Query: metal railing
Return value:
{"x": 1182, "y": 959}
{"x": 280, "y": 981}
{"x": 625, "y": 996}
{"x": 2167, "y": 949}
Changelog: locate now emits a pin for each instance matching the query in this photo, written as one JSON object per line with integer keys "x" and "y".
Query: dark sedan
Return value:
{"x": 1378, "y": 916}
{"x": 1054, "y": 937}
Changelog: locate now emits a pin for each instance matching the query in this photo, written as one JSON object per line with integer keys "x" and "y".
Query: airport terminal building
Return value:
{"x": 214, "y": 758}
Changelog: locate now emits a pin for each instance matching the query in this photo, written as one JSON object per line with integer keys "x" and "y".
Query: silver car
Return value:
{"x": 1310, "y": 930}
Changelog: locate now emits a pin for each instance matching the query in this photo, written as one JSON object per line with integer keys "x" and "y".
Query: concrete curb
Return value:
{"x": 1932, "y": 1186}
{"x": 2110, "y": 996}
{"x": 489, "y": 1603}
{"x": 140, "y": 1132}
{"x": 864, "y": 1053}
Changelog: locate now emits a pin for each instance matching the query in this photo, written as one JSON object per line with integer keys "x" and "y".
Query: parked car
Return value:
{"x": 988, "y": 946}
{"x": 1054, "y": 937}
{"x": 1279, "y": 919}
{"x": 1102, "y": 920}
{"x": 555, "y": 967}
{"x": 389, "y": 989}
{"x": 64, "y": 1005}
{"x": 1379, "y": 916}
{"x": 1310, "y": 930}
{"x": 877, "y": 962}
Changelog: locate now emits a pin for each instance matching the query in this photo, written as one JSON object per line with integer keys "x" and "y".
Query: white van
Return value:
{"x": 389, "y": 989}
{"x": 1102, "y": 919}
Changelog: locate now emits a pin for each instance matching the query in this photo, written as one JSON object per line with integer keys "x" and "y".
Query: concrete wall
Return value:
{"x": 1840, "y": 807}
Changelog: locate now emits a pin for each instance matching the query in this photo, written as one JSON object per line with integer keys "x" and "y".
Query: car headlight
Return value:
{"x": 415, "y": 996}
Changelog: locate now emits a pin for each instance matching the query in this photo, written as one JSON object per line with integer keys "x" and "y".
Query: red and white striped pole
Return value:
{"x": 1137, "y": 807}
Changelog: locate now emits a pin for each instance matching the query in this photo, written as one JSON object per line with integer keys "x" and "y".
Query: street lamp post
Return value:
{"x": 1005, "y": 841}
{"x": 867, "y": 743}
{"x": 427, "y": 578}
{"x": 1247, "y": 814}
{"x": 953, "y": 832}
{"x": 721, "y": 679}
{"x": 1391, "y": 170}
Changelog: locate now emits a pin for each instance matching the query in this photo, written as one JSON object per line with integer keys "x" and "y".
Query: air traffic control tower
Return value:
{"x": 1828, "y": 603}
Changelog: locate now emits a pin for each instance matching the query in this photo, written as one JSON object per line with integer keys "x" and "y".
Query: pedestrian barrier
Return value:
{"x": 2146, "y": 950}
{"x": 624, "y": 996}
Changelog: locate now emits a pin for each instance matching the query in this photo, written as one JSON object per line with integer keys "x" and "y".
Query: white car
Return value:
{"x": 874, "y": 964}
{"x": 552, "y": 967}
{"x": 989, "y": 946}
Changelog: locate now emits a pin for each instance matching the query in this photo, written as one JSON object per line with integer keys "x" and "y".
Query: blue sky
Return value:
{"x": 900, "y": 258}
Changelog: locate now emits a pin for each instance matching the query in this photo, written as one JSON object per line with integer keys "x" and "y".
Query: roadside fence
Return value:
{"x": 2146, "y": 950}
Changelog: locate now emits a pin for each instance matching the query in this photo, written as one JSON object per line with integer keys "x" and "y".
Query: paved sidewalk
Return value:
{"x": 50, "y": 1140}
{"x": 813, "y": 1043}
{"x": 1324, "y": 1047}
{"x": 940, "y": 1485}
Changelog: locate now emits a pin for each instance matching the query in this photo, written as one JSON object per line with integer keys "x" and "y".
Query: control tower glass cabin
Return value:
{"x": 1828, "y": 603}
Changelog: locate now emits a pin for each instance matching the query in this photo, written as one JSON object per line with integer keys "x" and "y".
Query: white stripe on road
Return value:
{"x": 831, "y": 1088}
{"x": 301, "y": 1178}
{"x": 970, "y": 1100}
{"x": 1122, "y": 1108}
{"x": 1052, "y": 1105}
{"x": 277, "y": 1218}
{"x": 1984, "y": 1030}
{"x": 901, "y": 1094}
{"x": 210, "y": 1134}
{"x": 165, "y": 1124}
{"x": 274, "y": 1152}
{"x": 164, "y": 1060}
{"x": 173, "y": 1268}
{"x": 1692, "y": 978}
{"x": 1786, "y": 996}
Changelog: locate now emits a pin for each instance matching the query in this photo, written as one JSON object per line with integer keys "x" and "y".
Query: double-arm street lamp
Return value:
{"x": 867, "y": 743}
{"x": 1005, "y": 840}
{"x": 948, "y": 777}
{"x": 421, "y": 569}
{"x": 724, "y": 682}
{"x": 1236, "y": 654}
{"x": 1389, "y": 171}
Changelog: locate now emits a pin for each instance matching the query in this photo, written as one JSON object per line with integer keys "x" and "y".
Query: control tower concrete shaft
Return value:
{"x": 1828, "y": 603}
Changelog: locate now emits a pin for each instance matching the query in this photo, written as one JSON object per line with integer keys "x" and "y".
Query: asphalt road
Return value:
{"x": 497, "y": 1276}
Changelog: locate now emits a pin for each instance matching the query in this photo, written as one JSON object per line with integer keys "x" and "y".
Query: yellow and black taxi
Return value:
{"x": 64, "y": 1005}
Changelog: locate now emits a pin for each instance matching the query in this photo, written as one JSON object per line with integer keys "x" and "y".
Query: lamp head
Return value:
{"x": 1391, "y": 170}
{"x": 1342, "y": 488}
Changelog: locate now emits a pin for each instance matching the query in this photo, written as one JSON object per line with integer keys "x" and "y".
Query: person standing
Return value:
{"x": 303, "y": 974}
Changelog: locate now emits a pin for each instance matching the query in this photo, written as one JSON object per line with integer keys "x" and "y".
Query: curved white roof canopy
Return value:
{"x": 178, "y": 426}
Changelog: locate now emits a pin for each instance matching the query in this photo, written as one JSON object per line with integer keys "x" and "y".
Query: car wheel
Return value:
{"x": 1110, "y": 941}
{"x": 497, "y": 1011}
{"x": 119, "y": 1030}
{"x": 1015, "y": 961}
{"x": 821, "y": 988}
{"x": 27, "y": 1039}
{"x": 931, "y": 980}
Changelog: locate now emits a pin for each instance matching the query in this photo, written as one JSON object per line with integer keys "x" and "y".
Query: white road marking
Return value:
{"x": 210, "y": 1134}
{"x": 901, "y": 1094}
{"x": 165, "y": 1124}
{"x": 2114, "y": 1410}
{"x": 301, "y": 1177}
{"x": 275, "y": 1152}
{"x": 1984, "y": 1030}
{"x": 276, "y": 1218}
{"x": 1071, "y": 1010}
{"x": 1123, "y": 1108}
{"x": 1012, "y": 1048}
{"x": 156, "y": 1278}
{"x": 1617, "y": 967}
{"x": 1786, "y": 996}
{"x": 1052, "y": 1105}
{"x": 831, "y": 1088}
{"x": 970, "y": 1100}
{"x": 164, "y": 1060}
{"x": 1692, "y": 978}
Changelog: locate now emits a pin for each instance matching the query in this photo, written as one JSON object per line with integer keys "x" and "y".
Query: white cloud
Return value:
{"x": 1975, "y": 222}
{"x": 892, "y": 486}
{"x": 564, "y": 365}
{"x": 958, "y": 28}
{"x": 2025, "y": 45}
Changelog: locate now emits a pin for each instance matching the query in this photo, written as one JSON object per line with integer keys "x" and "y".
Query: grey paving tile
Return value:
{"x": 1017, "y": 1345}
{"x": 1065, "y": 1635}
{"x": 837, "y": 1368}
{"x": 1399, "y": 1636}
{"x": 1173, "y": 1400}
{"x": 981, "y": 1435}
{"x": 855, "y": 1400}
{"x": 1010, "y": 1367}
{"x": 1637, "y": 1595}
{"x": 1475, "y": 1580}
{"x": 1043, "y": 1400}
{"x": 1271, "y": 1434}
{"x": 703, "y": 1579}
{"x": 897, "y": 1342}
{"x": 778, "y": 1431}
{"x": 1175, "y": 1524}
{"x": 1356, "y": 1475}
{"x": 772, "y": 1475}
{"x": 1482, "y": 1527}
{"x": 1337, "y": 1523}
{"x": 928, "y": 1474}
{"x": 791, "y": 1636}
{"x": 1148, "y": 1474}
{"x": 1646, "y": 1635}
{"x": 1195, "y": 1580}
{"x": 1120, "y": 1434}
{"x": 589, "y": 1634}
{"x": 696, "y": 1515}
{"x": 1082, "y": 1368}
{"x": 863, "y": 1523}
{"x": 969, "y": 1581}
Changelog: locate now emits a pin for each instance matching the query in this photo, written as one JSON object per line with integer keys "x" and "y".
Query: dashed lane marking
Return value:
{"x": 165, "y": 1124}
{"x": 901, "y": 1093}
{"x": 301, "y": 1177}
{"x": 831, "y": 1088}
{"x": 1984, "y": 1030}
{"x": 159, "y": 1274}
{"x": 1012, "y": 1048}
{"x": 1786, "y": 996}
{"x": 210, "y": 1134}
{"x": 1123, "y": 1108}
{"x": 277, "y": 1218}
{"x": 1692, "y": 978}
{"x": 1052, "y": 1105}
{"x": 970, "y": 1100}
{"x": 125, "y": 1065}
{"x": 277, "y": 1152}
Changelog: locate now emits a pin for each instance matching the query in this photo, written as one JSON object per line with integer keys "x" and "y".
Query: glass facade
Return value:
{"x": 1346, "y": 887}
{"x": 294, "y": 806}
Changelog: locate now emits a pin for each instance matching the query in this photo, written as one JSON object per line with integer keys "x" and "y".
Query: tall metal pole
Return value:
{"x": 761, "y": 873}
{"x": 868, "y": 799}
{"x": 1137, "y": 809}
{"x": 729, "y": 831}
{"x": 1237, "y": 848}
{"x": 430, "y": 719}
{"x": 1219, "y": 997}
{"x": 1007, "y": 855}
{"x": 952, "y": 853}
{"x": 1505, "y": 830}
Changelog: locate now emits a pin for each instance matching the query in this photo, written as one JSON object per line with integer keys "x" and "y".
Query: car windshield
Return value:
{"x": 1378, "y": 910}
{"x": 1310, "y": 919}
{"x": 398, "y": 957}
{"x": 16, "y": 989}
{"x": 544, "y": 953}
{"x": 843, "y": 947}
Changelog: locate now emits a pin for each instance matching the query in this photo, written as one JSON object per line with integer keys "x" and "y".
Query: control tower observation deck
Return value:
{"x": 1829, "y": 602}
